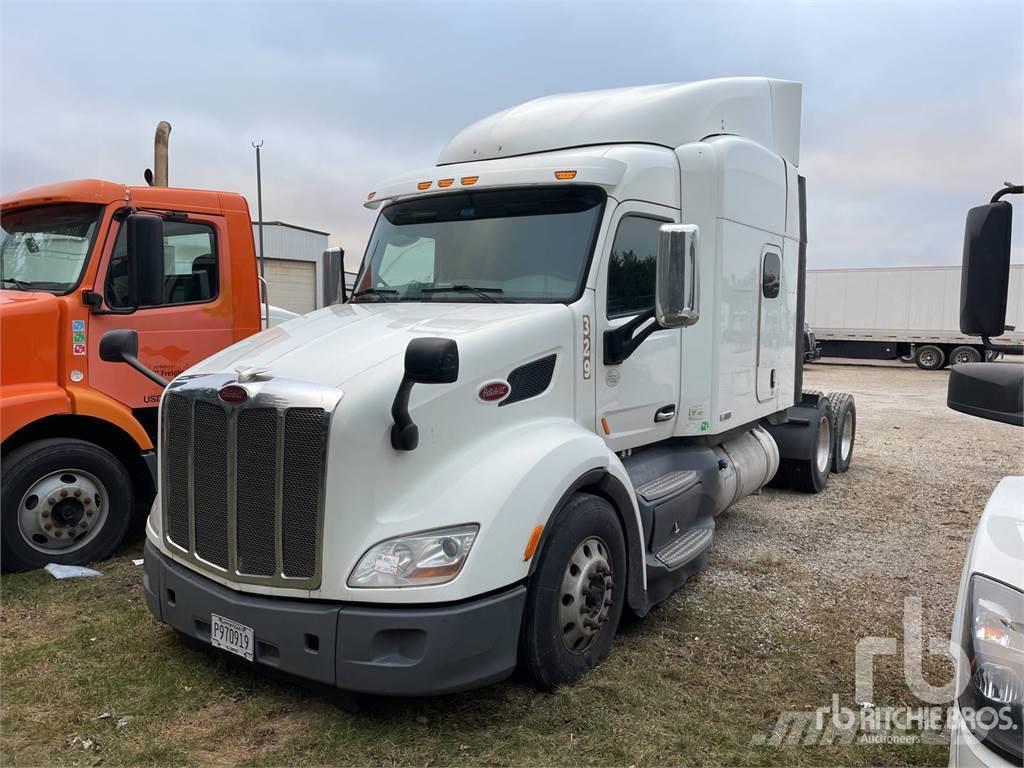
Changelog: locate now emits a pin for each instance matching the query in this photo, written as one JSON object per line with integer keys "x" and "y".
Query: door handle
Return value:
{"x": 665, "y": 413}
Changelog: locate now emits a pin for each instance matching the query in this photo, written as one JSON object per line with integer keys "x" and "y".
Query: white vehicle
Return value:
{"x": 988, "y": 725}
{"x": 572, "y": 343}
{"x": 901, "y": 312}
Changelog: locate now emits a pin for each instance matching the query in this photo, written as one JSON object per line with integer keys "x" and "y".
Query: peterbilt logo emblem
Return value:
{"x": 232, "y": 394}
{"x": 494, "y": 391}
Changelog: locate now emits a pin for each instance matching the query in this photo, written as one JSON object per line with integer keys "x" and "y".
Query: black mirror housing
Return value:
{"x": 146, "y": 258}
{"x": 118, "y": 345}
{"x": 428, "y": 360}
{"x": 993, "y": 391}
{"x": 122, "y": 346}
{"x": 432, "y": 361}
{"x": 985, "y": 277}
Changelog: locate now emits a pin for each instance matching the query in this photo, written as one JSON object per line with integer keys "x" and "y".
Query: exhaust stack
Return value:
{"x": 158, "y": 177}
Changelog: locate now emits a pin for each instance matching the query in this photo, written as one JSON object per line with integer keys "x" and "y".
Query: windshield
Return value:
{"x": 45, "y": 248}
{"x": 527, "y": 245}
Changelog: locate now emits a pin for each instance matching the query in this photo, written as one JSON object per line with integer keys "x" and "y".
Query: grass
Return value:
{"x": 691, "y": 684}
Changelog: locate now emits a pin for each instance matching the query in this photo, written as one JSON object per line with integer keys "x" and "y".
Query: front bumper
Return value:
{"x": 398, "y": 651}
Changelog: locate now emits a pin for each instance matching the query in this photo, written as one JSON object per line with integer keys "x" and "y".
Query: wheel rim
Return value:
{"x": 822, "y": 454}
{"x": 587, "y": 595}
{"x": 62, "y": 511}
{"x": 965, "y": 356}
{"x": 846, "y": 444}
{"x": 928, "y": 358}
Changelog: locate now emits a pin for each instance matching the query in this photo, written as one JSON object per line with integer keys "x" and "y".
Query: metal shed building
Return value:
{"x": 294, "y": 269}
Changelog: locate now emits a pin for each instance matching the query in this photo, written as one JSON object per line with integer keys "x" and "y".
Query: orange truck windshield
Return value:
{"x": 46, "y": 248}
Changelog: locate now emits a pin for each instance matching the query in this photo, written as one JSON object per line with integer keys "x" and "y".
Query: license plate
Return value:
{"x": 232, "y": 636}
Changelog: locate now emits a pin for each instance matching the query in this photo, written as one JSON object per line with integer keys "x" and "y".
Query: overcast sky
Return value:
{"x": 913, "y": 111}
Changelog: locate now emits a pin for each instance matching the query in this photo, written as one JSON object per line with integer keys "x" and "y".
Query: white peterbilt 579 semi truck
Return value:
{"x": 572, "y": 343}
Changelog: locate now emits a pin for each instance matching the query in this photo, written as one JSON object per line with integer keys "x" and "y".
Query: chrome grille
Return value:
{"x": 243, "y": 486}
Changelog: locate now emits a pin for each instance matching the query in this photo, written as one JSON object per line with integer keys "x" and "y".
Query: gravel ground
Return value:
{"x": 897, "y": 525}
{"x": 769, "y": 627}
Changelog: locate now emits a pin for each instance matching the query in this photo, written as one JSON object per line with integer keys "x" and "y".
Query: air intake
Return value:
{"x": 530, "y": 380}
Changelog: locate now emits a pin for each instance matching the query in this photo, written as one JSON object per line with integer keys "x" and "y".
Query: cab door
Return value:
{"x": 638, "y": 399}
{"x": 194, "y": 319}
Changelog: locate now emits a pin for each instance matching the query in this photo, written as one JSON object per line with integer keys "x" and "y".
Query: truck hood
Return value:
{"x": 335, "y": 344}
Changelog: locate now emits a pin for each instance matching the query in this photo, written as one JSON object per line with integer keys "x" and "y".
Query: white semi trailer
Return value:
{"x": 912, "y": 313}
{"x": 572, "y": 343}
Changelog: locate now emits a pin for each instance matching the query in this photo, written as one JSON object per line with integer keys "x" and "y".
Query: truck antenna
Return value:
{"x": 259, "y": 223}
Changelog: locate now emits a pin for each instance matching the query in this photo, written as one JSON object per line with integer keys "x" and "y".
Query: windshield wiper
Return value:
{"x": 483, "y": 293}
{"x": 21, "y": 285}
{"x": 382, "y": 292}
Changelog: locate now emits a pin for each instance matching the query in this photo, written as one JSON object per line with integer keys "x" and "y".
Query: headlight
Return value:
{"x": 419, "y": 559}
{"x": 993, "y": 639}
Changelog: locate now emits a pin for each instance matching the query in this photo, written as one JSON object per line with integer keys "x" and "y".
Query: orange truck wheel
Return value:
{"x": 63, "y": 501}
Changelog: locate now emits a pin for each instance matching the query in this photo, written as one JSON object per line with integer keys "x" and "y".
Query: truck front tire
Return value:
{"x": 575, "y": 597}
{"x": 63, "y": 501}
{"x": 929, "y": 357}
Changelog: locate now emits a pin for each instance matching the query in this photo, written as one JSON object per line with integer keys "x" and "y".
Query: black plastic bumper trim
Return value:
{"x": 400, "y": 651}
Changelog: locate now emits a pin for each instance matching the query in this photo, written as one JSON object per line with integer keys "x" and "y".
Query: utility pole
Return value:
{"x": 259, "y": 214}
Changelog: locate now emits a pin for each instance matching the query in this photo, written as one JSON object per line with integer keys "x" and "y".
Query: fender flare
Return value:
{"x": 601, "y": 482}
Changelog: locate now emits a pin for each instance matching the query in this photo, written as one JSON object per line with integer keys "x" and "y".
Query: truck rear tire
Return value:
{"x": 575, "y": 596}
{"x": 63, "y": 501}
{"x": 964, "y": 354}
{"x": 843, "y": 411}
{"x": 929, "y": 357}
{"x": 810, "y": 474}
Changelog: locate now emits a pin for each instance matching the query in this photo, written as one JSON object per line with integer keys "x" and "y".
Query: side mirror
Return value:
{"x": 427, "y": 361}
{"x": 985, "y": 276}
{"x": 993, "y": 391}
{"x": 145, "y": 259}
{"x": 677, "y": 292}
{"x": 432, "y": 361}
{"x": 122, "y": 346}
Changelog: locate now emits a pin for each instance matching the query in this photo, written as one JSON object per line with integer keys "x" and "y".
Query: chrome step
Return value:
{"x": 686, "y": 547}
{"x": 666, "y": 485}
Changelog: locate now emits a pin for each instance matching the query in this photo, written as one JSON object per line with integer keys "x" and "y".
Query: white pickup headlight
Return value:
{"x": 416, "y": 560}
{"x": 993, "y": 639}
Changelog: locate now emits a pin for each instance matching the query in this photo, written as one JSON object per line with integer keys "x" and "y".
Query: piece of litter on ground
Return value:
{"x": 69, "y": 571}
{"x": 137, "y": 562}
{"x": 103, "y": 716}
{"x": 122, "y": 722}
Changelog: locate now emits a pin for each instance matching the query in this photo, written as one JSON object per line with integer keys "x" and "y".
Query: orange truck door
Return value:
{"x": 194, "y": 320}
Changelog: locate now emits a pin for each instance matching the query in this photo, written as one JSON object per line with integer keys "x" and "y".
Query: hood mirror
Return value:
{"x": 428, "y": 360}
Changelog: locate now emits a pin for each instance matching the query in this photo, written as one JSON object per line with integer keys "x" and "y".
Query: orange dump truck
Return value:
{"x": 80, "y": 258}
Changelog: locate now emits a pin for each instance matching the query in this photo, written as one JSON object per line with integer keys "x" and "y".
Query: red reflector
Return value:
{"x": 233, "y": 394}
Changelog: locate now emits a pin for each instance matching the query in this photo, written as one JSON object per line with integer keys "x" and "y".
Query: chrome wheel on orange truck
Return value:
{"x": 64, "y": 501}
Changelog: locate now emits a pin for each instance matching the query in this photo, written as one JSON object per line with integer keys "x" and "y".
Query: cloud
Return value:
{"x": 909, "y": 111}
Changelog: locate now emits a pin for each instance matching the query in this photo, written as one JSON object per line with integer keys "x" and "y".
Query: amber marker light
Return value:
{"x": 424, "y": 185}
{"x": 531, "y": 545}
{"x": 445, "y": 182}
{"x": 468, "y": 181}
{"x": 565, "y": 175}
